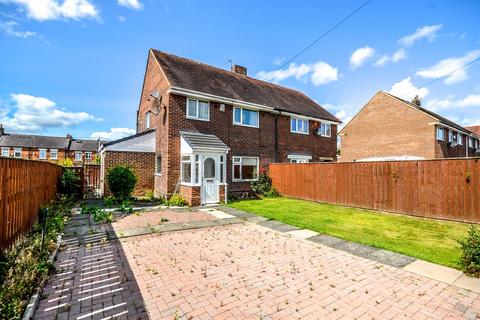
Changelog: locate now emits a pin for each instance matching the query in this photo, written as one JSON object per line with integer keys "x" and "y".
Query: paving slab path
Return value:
{"x": 238, "y": 271}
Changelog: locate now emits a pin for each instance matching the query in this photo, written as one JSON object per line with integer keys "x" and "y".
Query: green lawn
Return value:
{"x": 426, "y": 239}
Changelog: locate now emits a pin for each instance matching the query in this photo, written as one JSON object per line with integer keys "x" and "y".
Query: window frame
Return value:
{"x": 442, "y": 130}
{"x": 329, "y": 131}
{"x": 15, "y": 151}
{"x": 460, "y": 139}
{"x": 241, "y": 165}
{"x": 40, "y": 154}
{"x": 241, "y": 117}
{"x": 53, "y": 151}
{"x": 89, "y": 153}
{"x": 182, "y": 162}
{"x": 147, "y": 120}
{"x": 7, "y": 149}
{"x": 299, "y": 158}
{"x": 75, "y": 155}
{"x": 197, "y": 108}
{"x": 297, "y": 120}
{"x": 158, "y": 166}
{"x": 471, "y": 142}
{"x": 450, "y": 136}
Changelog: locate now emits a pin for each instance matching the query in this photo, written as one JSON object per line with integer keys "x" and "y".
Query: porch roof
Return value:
{"x": 203, "y": 142}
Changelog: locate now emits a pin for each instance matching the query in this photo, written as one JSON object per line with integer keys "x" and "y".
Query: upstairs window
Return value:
{"x": 88, "y": 156}
{"x": 325, "y": 129}
{"x": 470, "y": 142}
{"x": 78, "y": 156}
{"x": 460, "y": 139}
{"x": 245, "y": 117}
{"x": 5, "y": 152}
{"x": 17, "y": 152}
{"x": 245, "y": 168}
{"x": 42, "y": 153}
{"x": 298, "y": 125}
{"x": 53, "y": 154}
{"x": 147, "y": 120}
{"x": 199, "y": 110}
{"x": 440, "y": 134}
{"x": 450, "y": 135}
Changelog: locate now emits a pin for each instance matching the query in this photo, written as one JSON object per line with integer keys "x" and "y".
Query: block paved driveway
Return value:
{"x": 242, "y": 271}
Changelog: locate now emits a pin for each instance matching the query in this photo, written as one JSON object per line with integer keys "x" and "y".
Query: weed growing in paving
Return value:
{"x": 99, "y": 214}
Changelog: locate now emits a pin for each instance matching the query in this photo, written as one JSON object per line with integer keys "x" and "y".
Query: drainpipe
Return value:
{"x": 276, "y": 138}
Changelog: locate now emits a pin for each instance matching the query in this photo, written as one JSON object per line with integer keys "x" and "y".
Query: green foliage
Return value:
{"x": 470, "y": 259}
{"x": 263, "y": 186}
{"x": 70, "y": 183}
{"x": 67, "y": 162}
{"x": 121, "y": 181}
{"x": 150, "y": 195}
{"x": 109, "y": 201}
{"x": 96, "y": 159}
{"x": 25, "y": 263}
{"x": 177, "y": 201}
{"x": 126, "y": 206}
{"x": 99, "y": 214}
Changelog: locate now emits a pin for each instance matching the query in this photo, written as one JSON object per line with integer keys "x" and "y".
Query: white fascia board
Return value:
{"x": 239, "y": 103}
{"x": 298, "y": 156}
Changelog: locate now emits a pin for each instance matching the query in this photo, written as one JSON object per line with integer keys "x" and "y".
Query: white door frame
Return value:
{"x": 216, "y": 179}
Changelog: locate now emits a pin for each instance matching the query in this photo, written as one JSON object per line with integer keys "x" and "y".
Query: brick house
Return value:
{"x": 215, "y": 129}
{"x": 390, "y": 128}
{"x": 47, "y": 148}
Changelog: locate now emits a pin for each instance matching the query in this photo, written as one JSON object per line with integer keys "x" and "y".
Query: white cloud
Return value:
{"x": 454, "y": 67}
{"x": 360, "y": 56}
{"x": 449, "y": 103}
{"x": 29, "y": 113}
{"x": 320, "y": 73}
{"x": 398, "y": 55}
{"x": 405, "y": 89}
{"x": 132, "y": 4}
{"x": 279, "y": 61}
{"x": 113, "y": 134}
{"x": 43, "y": 10}
{"x": 10, "y": 28}
{"x": 428, "y": 32}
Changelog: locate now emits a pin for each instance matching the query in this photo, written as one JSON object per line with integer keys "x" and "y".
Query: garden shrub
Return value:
{"x": 126, "y": 206}
{"x": 25, "y": 263}
{"x": 121, "y": 181}
{"x": 109, "y": 201}
{"x": 70, "y": 183}
{"x": 263, "y": 186}
{"x": 470, "y": 259}
{"x": 177, "y": 201}
{"x": 272, "y": 193}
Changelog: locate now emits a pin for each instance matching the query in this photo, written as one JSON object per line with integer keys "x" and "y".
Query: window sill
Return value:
{"x": 158, "y": 174}
{"x": 297, "y": 132}
{"x": 244, "y": 125}
{"x": 189, "y": 184}
{"x": 244, "y": 180}
{"x": 193, "y": 118}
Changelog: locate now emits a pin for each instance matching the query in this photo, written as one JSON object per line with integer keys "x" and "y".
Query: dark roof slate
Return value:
{"x": 32, "y": 141}
{"x": 192, "y": 75}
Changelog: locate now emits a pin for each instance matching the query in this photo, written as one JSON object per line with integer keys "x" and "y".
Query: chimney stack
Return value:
{"x": 2, "y": 130}
{"x": 417, "y": 101}
{"x": 239, "y": 69}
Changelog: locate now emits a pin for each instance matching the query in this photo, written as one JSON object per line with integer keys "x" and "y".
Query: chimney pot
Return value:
{"x": 417, "y": 101}
{"x": 239, "y": 69}
{"x": 2, "y": 130}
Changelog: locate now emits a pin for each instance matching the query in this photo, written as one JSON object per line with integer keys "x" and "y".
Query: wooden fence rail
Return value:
{"x": 25, "y": 185}
{"x": 442, "y": 189}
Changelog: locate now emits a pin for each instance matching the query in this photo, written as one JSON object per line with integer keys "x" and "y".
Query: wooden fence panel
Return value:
{"x": 443, "y": 189}
{"x": 25, "y": 185}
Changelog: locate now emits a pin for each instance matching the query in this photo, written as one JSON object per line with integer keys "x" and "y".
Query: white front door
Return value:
{"x": 210, "y": 180}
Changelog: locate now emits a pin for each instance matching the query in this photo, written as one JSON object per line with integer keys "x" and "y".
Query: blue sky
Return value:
{"x": 77, "y": 65}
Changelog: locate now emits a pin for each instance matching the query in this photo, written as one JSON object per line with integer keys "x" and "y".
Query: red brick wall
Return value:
{"x": 34, "y": 154}
{"x": 191, "y": 194}
{"x": 443, "y": 149}
{"x": 143, "y": 163}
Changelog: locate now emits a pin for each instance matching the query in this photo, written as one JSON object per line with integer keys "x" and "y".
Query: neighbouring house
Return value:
{"x": 47, "y": 148}
{"x": 390, "y": 128}
{"x": 474, "y": 129}
{"x": 216, "y": 129}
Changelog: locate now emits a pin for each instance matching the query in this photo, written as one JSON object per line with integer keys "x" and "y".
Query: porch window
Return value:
{"x": 440, "y": 134}
{"x": 298, "y": 125}
{"x": 5, "y": 152}
{"x": 245, "y": 168}
{"x": 222, "y": 167}
{"x": 199, "y": 110}
{"x": 42, "y": 153}
{"x": 186, "y": 169}
{"x": 158, "y": 164}
{"x": 53, "y": 154}
{"x": 325, "y": 129}
{"x": 78, "y": 156}
{"x": 88, "y": 156}
{"x": 17, "y": 152}
{"x": 197, "y": 169}
{"x": 245, "y": 117}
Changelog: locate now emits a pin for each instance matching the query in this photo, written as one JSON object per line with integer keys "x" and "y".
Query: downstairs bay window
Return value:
{"x": 245, "y": 168}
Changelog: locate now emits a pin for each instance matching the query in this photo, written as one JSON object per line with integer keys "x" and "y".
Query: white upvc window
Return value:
{"x": 5, "y": 152}
{"x": 245, "y": 168}
{"x": 476, "y": 143}
{"x": 245, "y": 117}
{"x": 294, "y": 158}
{"x": 298, "y": 125}
{"x": 158, "y": 165}
{"x": 147, "y": 120}
{"x": 42, "y": 153}
{"x": 440, "y": 134}
{"x": 460, "y": 138}
{"x": 325, "y": 129}
{"x": 78, "y": 155}
{"x": 470, "y": 142}
{"x": 186, "y": 169}
{"x": 88, "y": 156}
{"x": 54, "y": 154}
{"x": 17, "y": 152}
{"x": 450, "y": 135}
{"x": 198, "y": 110}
